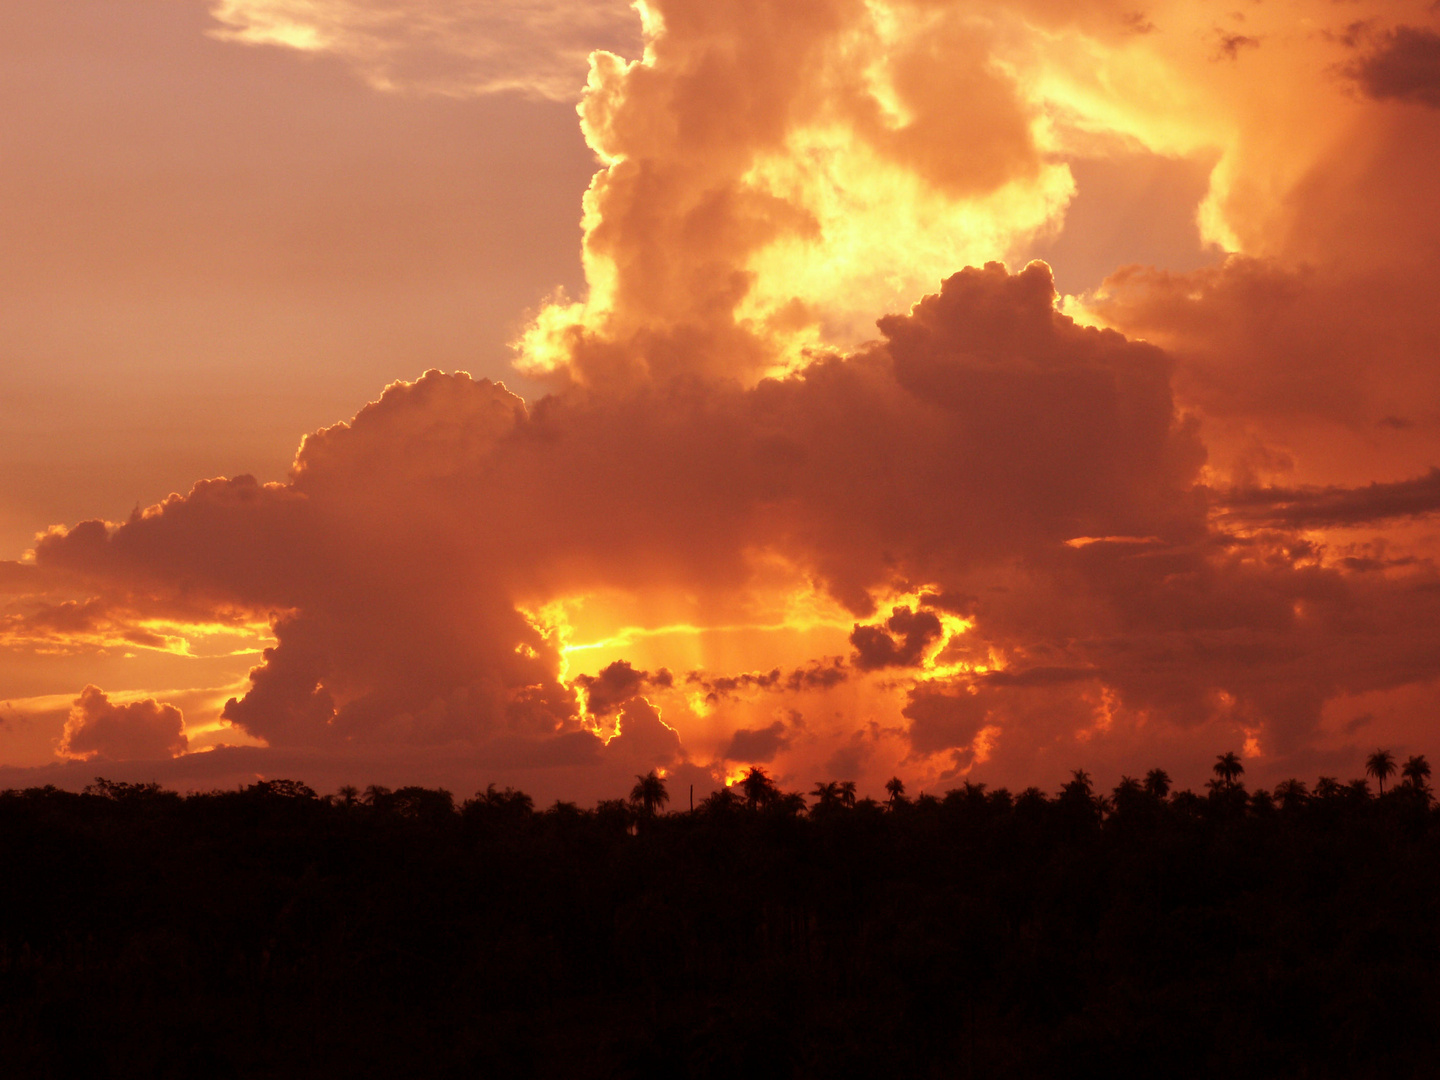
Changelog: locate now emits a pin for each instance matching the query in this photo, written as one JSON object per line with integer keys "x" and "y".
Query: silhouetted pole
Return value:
{"x": 692, "y": 798}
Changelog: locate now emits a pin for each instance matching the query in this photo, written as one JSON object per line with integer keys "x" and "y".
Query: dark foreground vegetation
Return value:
{"x": 269, "y": 932}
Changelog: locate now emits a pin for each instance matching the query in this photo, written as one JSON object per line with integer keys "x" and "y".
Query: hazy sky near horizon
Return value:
{"x": 1169, "y": 494}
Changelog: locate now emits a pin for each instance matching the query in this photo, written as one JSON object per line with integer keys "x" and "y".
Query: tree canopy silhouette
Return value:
{"x": 760, "y": 790}
{"x": 269, "y": 931}
{"x": 649, "y": 793}
{"x": 1228, "y": 768}
{"x": 1416, "y": 772}
{"x": 1381, "y": 765}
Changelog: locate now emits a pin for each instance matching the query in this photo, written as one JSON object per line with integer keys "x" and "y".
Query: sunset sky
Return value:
{"x": 462, "y": 391}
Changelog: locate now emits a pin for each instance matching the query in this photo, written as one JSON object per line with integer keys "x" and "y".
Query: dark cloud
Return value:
{"x": 719, "y": 686}
{"x": 616, "y": 685}
{"x": 943, "y": 717}
{"x": 1036, "y": 676}
{"x": 1301, "y": 508}
{"x": 758, "y": 745}
{"x": 1403, "y": 66}
{"x": 1136, "y": 22}
{"x": 1365, "y": 564}
{"x": 817, "y": 675}
{"x": 877, "y": 647}
{"x": 644, "y": 740}
{"x": 1229, "y": 45}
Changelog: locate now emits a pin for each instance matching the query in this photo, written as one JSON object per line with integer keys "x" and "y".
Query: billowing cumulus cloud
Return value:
{"x": 986, "y": 446}
{"x": 778, "y": 174}
{"x": 99, "y": 729}
{"x": 398, "y": 560}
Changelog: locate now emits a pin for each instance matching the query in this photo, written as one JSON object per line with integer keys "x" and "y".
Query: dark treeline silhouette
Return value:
{"x": 270, "y": 932}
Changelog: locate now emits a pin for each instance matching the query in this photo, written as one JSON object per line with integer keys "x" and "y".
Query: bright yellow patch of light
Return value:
{"x": 268, "y": 22}
{"x": 629, "y": 634}
{"x": 1076, "y": 308}
{"x": 884, "y": 237}
{"x": 546, "y": 344}
{"x": 605, "y": 728}
{"x": 552, "y": 622}
{"x": 779, "y": 618}
{"x": 888, "y": 30}
{"x": 652, "y": 24}
{"x": 167, "y": 636}
{"x": 1086, "y": 541}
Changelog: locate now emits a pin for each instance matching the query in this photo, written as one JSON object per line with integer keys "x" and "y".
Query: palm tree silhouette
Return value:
{"x": 847, "y": 792}
{"x": 1128, "y": 796}
{"x": 1079, "y": 787}
{"x": 896, "y": 787}
{"x": 827, "y": 794}
{"x": 1381, "y": 765}
{"x": 649, "y": 793}
{"x": 792, "y": 802}
{"x": 1327, "y": 787}
{"x": 1291, "y": 793}
{"x": 721, "y": 801}
{"x": 1077, "y": 798}
{"x": 1416, "y": 772}
{"x": 1157, "y": 783}
{"x": 1228, "y": 768}
{"x": 759, "y": 788}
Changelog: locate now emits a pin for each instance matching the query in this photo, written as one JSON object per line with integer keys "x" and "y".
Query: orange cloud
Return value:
{"x": 967, "y": 450}
{"x": 98, "y": 729}
{"x": 457, "y": 48}
{"x": 398, "y": 557}
{"x": 776, "y": 175}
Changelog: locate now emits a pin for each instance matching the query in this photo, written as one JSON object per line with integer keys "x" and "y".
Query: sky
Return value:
{"x": 540, "y": 393}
